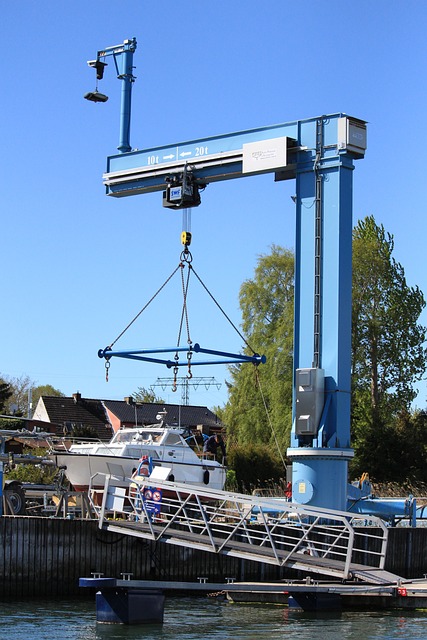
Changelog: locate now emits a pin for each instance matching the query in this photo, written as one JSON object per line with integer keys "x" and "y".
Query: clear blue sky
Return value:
{"x": 76, "y": 266}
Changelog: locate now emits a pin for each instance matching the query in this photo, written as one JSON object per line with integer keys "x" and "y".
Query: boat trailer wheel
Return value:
{"x": 15, "y": 497}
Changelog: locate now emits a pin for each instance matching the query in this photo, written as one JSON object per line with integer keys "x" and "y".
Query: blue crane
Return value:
{"x": 319, "y": 154}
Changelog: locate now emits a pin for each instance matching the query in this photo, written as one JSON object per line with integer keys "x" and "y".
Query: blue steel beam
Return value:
{"x": 221, "y": 157}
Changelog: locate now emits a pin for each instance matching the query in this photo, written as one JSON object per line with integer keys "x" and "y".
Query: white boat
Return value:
{"x": 171, "y": 447}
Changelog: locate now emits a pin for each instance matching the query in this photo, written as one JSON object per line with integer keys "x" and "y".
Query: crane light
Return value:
{"x": 95, "y": 96}
{"x": 100, "y": 66}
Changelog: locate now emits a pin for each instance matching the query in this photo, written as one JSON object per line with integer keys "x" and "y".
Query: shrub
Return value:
{"x": 254, "y": 466}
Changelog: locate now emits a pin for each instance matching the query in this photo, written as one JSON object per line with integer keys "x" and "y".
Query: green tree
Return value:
{"x": 388, "y": 357}
{"x": 20, "y": 388}
{"x": 19, "y": 397}
{"x": 388, "y": 348}
{"x": 146, "y": 395}
{"x": 260, "y": 398}
{"x": 394, "y": 450}
{"x": 5, "y": 394}
{"x": 12, "y": 424}
{"x": 388, "y": 352}
{"x": 35, "y": 473}
{"x": 254, "y": 466}
{"x": 45, "y": 390}
{"x": 411, "y": 454}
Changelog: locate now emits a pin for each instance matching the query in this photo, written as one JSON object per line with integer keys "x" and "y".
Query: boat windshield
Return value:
{"x": 173, "y": 439}
{"x": 127, "y": 436}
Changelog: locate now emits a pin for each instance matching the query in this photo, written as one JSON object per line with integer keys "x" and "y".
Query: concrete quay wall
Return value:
{"x": 47, "y": 556}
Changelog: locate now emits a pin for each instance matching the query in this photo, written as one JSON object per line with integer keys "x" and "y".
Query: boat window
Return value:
{"x": 148, "y": 437}
{"x": 123, "y": 436}
{"x": 173, "y": 439}
{"x": 192, "y": 442}
{"x": 131, "y": 435}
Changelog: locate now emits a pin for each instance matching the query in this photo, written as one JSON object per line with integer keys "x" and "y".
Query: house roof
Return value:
{"x": 146, "y": 413}
{"x": 79, "y": 412}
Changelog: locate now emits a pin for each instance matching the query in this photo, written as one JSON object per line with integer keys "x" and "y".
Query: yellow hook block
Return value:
{"x": 186, "y": 238}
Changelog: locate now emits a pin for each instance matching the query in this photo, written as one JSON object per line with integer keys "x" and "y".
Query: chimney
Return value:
{"x": 129, "y": 400}
{"x": 77, "y": 397}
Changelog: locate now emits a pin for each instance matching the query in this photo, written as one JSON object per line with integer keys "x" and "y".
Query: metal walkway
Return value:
{"x": 260, "y": 529}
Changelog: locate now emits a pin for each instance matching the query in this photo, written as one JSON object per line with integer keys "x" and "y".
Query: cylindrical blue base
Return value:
{"x": 130, "y": 606}
{"x": 320, "y": 476}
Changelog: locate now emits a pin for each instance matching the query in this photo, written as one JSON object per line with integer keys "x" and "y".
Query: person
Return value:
{"x": 212, "y": 443}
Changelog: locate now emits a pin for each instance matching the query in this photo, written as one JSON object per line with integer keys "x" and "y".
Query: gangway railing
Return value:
{"x": 261, "y": 529}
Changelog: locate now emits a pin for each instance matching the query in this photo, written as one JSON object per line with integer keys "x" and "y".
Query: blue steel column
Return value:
{"x": 320, "y": 468}
{"x": 127, "y": 78}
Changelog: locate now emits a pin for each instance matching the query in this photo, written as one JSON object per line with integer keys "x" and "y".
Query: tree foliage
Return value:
{"x": 19, "y": 393}
{"x": 146, "y": 395}
{"x": 38, "y": 474}
{"x": 44, "y": 390}
{"x": 388, "y": 357}
{"x": 260, "y": 399}
{"x": 411, "y": 432}
{"x": 392, "y": 450}
{"x": 19, "y": 397}
{"x": 254, "y": 465}
{"x": 388, "y": 352}
{"x": 5, "y": 393}
{"x": 12, "y": 424}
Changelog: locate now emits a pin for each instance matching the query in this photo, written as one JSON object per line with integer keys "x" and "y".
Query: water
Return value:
{"x": 199, "y": 619}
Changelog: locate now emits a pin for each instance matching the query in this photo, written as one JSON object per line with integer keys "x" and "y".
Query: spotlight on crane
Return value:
{"x": 99, "y": 66}
{"x": 95, "y": 96}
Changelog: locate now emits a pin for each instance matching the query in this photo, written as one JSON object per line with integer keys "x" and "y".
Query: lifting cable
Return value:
{"x": 110, "y": 346}
{"x": 228, "y": 358}
{"x": 258, "y": 383}
{"x": 222, "y": 311}
{"x": 186, "y": 258}
{"x": 144, "y": 307}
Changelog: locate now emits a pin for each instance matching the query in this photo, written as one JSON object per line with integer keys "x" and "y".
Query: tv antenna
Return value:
{"x": 184, "y": 382}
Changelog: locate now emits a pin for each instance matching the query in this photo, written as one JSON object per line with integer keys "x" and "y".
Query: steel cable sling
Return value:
{"x": 146, "y": 355}
{"x": 107, "y": 352}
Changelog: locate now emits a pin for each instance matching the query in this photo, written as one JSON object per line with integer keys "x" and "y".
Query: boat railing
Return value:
{"x": 205, "y": 455}
{"x": 65, "y": 442}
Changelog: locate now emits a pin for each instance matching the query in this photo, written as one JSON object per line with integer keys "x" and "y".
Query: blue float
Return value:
{"x": 125, "y": 604}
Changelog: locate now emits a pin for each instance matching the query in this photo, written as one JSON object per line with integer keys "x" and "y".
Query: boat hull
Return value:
{"x": 82, "y": 470}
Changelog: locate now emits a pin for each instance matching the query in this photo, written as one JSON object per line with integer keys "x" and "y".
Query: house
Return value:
{"x": 128, "y": 413}
{"x": 105, "y": 417}
{"x": 74, "y": 414}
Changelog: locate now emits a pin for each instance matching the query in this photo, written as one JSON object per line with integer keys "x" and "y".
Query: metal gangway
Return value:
{"x": 261, "y": 529}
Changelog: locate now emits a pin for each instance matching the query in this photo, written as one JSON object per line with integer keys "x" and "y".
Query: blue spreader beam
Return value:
{"x": 143, "y": 355}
